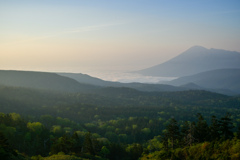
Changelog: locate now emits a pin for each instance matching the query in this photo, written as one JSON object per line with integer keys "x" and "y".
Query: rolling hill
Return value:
{"x": 221, "y": 79}
{"x": 195, "y": 60}
{"x": 86, "y": 79}
{"x": 42, "y": 80}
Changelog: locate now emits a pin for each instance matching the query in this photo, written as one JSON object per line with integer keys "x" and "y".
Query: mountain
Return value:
{"x": 195, "y": 60}
{"x": 224, "y": 79}
{"x": 191, "y": 86}
{"x": 42, "y": 80}
{"x": 84, "y": 78}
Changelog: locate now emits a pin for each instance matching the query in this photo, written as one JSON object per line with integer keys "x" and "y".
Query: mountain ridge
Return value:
{"x": 41, "y": 80}
{"x": 71, "y": 82}
{"x": 227, "y": 79}
{"x": 86, "y": 79}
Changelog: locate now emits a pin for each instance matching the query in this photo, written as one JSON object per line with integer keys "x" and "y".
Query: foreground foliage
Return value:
{"x": 175, "y": 142}
{"x": 228, "y": 149}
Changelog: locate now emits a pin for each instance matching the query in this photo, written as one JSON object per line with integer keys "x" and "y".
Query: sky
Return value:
{"x": 84, "y": 35}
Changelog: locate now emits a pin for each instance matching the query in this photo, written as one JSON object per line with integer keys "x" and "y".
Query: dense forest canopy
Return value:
{"x": 116, "y": 123}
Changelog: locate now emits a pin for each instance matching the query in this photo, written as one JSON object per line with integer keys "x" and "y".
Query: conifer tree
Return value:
{"x": 188, "y": 131}
{"x": 77, "y": 143}
{"x": 202, "y": 130}
{"x": 214, "y": 129}
{"x": 6, "y": 151}
{"x": 226, "y": 125}
{"x": 172, "y": 132}
{"x": 88, "y": 144}
{"x": 238, "y": 132}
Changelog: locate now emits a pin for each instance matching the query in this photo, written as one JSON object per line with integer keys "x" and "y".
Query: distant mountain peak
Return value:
{"x": 197, "y": 47}
{"x": 195, "y": 60}
{"x": 196, "y": 50}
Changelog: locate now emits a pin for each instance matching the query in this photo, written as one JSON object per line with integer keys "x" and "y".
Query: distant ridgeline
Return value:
{"x": 224, "y": 81}
{"x": 42, "y": 80}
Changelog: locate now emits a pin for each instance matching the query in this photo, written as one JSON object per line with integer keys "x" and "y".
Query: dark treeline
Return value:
{"x": 112, "y": 103}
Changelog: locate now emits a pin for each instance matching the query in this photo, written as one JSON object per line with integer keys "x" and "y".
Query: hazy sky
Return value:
{"x": 76, "y": 35}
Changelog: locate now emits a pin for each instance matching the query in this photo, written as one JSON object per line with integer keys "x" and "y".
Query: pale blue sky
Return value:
{"x": 69, "y": 35}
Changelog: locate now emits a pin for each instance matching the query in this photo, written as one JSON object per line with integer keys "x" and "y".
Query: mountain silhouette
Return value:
{"x": 195, "y": 60}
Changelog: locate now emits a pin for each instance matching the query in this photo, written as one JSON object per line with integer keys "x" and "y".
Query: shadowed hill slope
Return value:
{"x": 42, "y": 80}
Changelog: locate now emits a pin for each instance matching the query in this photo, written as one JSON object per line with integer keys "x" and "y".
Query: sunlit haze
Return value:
{"x": 86, "y": 36}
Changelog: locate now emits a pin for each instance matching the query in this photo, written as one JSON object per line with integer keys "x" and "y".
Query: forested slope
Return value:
{"x": 116, "y": 123}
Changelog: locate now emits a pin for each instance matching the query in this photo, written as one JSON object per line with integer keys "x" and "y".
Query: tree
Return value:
{"x": 104, "y": 152}
{"x": 15, "y": 116}
{"x": 88, "y": 144}
{"x": 134, "y": 151}
{"x": 188, "y": 131}
{"x": 238, "y": 132}
{"x": 62, "y": 144}
{"x": 202, "y": 130}
{"x": 57, "y": 129}
{"x": 35, "y": 127}
{"x": 226, "y": 125}
{"x": 214, "y": 129}
{"x": 146, "y": 131}
{"x": 6, "y": 151}
{"x": 77, "y": 143}
{"x": 172, "y": 132}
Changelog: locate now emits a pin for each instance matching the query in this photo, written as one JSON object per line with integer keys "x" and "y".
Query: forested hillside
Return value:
{"x": 117, "y": 123}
